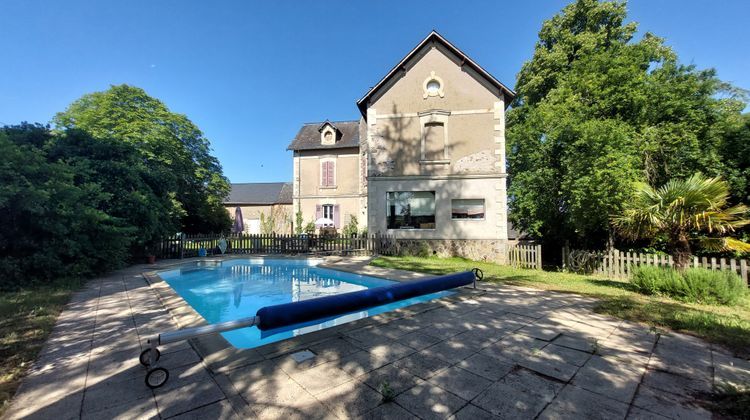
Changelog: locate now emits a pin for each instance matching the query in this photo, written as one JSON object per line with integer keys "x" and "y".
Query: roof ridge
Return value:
{"x": 268, "y": 182}
{"x": 330, "y": 121}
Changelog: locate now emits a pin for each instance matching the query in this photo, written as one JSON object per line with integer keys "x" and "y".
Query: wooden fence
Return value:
{"x": 620, "y": 264}
{"x": 525, "y": 256}
{"x": 185, "y": 246}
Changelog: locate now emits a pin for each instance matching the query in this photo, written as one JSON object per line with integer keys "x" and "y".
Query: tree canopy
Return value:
{"x": 55, "y": 219}
{"x": 174, "y": 150}
{"x": 598, "y": 111}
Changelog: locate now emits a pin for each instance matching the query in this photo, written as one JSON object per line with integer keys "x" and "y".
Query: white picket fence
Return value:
{"x": 620, "y": 264}
{"x": 525, "y": 256}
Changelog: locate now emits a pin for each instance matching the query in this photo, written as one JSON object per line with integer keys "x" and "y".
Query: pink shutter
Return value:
{"x": 331, "y": 171}
{"x": 324, "y": 174}
{"x": 318, "y": 211}
{"x": 336, "y": 217}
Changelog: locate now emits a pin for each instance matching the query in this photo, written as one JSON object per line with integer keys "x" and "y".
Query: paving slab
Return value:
{"x": 399, "y": 380}
{"x": 321, "y": 378}
{"x": 218, "y": 410}
{"x": 472, "y": 412}
{"x": 486, "y": 366}
{"x": 501, "y": 351}
{"x": 418, "y": 340}
{"x": 669, "y": 405}
{"x": 350, "y": 399}
{"x": 452, "y": 350}
{"x": 676, "y": 384}
{"x": 460, "y": 382}
{"x": 575, "y": 402}
{"x": 428, "y": 401}
{"x": 390, "y": 411}
{"x": 520, "y": 394}
{"x": 609, "y": 377}
{"x": 141, "y": 409}
{"x": 423, "y": 365}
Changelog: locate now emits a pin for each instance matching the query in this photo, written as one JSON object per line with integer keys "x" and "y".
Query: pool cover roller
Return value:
{"x": 296, "y": 313}
{"x": 286, "y": 314}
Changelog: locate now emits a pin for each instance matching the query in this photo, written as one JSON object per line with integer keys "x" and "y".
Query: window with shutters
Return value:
{"x": 327, "y": 173}
{"x": 328, "y": 211}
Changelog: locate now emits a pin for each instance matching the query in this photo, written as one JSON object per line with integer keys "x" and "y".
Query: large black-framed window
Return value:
{"x": 410, "y": 209}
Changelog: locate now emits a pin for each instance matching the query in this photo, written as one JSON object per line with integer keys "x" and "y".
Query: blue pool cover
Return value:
{"x": 287, "y": 314}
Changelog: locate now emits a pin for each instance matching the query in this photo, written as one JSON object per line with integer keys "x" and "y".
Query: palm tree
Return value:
{"x": 694, "y": 209}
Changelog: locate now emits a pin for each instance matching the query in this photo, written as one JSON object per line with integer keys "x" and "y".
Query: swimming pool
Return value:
{"x": 233, "y": 289}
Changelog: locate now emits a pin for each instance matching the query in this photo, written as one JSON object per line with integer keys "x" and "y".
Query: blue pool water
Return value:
{"x": 233, "y": 289}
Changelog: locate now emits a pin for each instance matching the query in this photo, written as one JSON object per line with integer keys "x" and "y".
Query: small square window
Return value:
{"x": 462, "y": 209}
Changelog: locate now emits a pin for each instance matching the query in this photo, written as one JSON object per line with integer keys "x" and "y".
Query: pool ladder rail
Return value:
{"x": 157, "y": 376}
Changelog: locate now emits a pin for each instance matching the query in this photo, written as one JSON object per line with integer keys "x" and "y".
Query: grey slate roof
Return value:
{"x": 260, "y": 193}
{"x": 308, "y": 137}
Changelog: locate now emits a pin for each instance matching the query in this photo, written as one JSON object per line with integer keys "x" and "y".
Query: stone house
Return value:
{"x": 424, "y": 163}
{"x": 262, "y": 202}
{"x": 328, "y": 176}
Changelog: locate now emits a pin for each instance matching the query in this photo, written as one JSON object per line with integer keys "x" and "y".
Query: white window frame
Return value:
{"x": 333, "y": 209}
{"x": 468, "y": 219}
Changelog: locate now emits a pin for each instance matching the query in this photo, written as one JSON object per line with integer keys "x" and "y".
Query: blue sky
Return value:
{"x": 250, "y": 73}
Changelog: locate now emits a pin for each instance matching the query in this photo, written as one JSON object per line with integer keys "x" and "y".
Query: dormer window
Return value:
{"x": 328, "y": 133}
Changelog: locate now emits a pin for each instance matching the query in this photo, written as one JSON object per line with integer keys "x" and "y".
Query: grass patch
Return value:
{"x": 26, "y": 319}
{"x": 725, "y": 325}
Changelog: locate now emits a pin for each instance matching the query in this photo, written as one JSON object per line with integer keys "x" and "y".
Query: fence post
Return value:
{"x": 743, "y": 271}
{"x": 182, "y": 245}
{"x": 538, "y": 257}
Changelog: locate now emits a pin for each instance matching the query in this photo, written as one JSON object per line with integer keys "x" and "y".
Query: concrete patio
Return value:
{"x": 500, "y": 351}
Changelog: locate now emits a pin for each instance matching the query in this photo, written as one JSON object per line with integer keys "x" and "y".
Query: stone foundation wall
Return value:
{"x": 474, "y": 249}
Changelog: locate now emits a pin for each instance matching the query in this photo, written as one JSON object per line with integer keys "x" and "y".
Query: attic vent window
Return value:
{"x": 433, "y": 86}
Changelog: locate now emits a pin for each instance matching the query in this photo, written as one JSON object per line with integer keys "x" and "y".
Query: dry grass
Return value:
{"x": 26, "y": 319}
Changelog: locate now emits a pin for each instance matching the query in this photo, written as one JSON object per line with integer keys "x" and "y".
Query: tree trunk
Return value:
{"x": 681, "y": 252}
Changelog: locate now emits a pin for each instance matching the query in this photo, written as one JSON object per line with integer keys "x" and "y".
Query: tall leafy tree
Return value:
{"x": 175, "y": 150}
{"x": 134, "y": 195}
{"x": 53, "y": 222}
{"x": 596, "y": 111}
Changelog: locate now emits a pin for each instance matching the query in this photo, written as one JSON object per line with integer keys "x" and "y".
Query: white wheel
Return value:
{"x": 156, "y": 377}
{"x": 145, "y": 357}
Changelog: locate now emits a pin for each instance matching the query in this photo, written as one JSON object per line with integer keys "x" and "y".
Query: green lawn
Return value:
{"x": 26, "y": 319}
{"x": 725, "y": 325}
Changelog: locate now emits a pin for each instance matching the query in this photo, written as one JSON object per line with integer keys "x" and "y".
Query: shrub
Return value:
{"x": 713, "y": 286}
{"x": 351, "y": 228}
{"x": 655, "y": 280}
{"x": 697, "y": 285}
